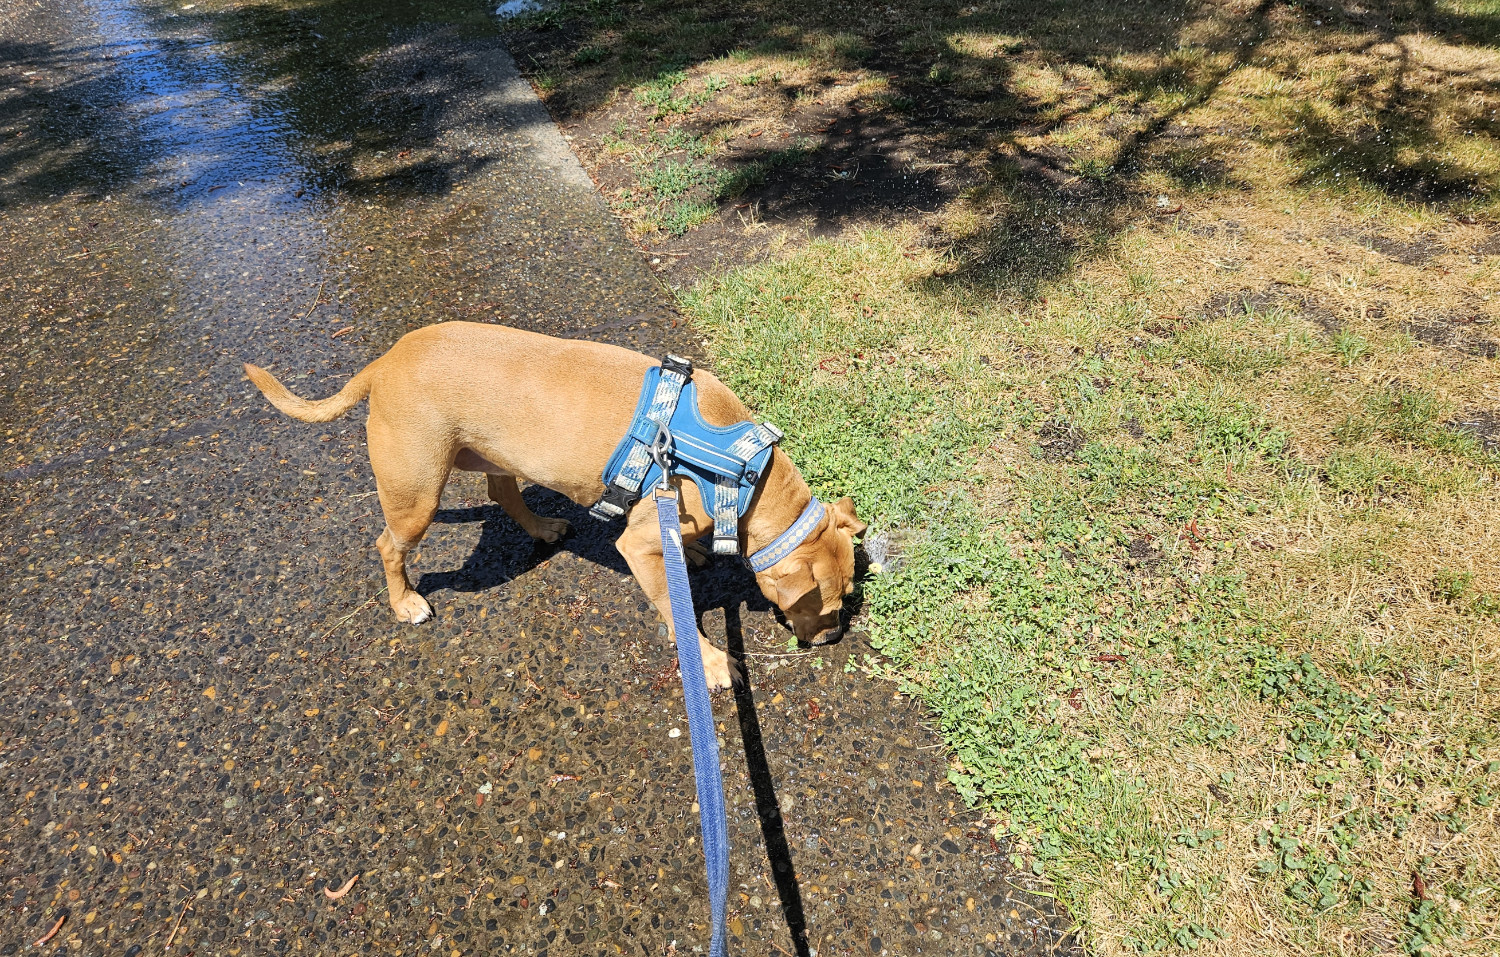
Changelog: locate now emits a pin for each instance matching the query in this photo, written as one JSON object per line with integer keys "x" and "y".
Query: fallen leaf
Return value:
{"x": 1419, "y": 886}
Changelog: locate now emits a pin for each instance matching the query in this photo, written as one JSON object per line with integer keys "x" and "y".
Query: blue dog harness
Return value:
{"x": 726, "y": 462}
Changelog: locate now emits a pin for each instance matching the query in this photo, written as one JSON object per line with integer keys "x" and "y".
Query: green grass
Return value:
{"x": 1158, "y": 735}
{"x": 663, "y": 97}
{"x": 1195, "y": 575}
{"x": 674, "y": 195}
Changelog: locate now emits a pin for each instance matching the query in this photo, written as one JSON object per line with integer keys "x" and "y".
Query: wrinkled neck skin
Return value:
{"x": 782, "y": 496}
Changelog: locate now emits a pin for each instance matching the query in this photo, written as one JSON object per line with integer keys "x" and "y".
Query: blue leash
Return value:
{"x": 705, "y": 740}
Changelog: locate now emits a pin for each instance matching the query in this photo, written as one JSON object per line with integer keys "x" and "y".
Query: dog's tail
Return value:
{"x": 322, "y": 410}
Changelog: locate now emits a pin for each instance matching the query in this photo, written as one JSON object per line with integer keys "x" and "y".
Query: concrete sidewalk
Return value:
{"x": 208, "y": 715}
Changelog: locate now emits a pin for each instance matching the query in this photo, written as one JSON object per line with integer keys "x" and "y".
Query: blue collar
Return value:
{"x": 789, "y": 539}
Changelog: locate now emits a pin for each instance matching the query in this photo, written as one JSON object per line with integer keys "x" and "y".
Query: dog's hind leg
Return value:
{"x": 505, "y": 492}
{"x": 410, "y": 488}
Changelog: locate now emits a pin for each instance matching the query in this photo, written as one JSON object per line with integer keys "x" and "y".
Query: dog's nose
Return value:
{"x": 830, "y": 635}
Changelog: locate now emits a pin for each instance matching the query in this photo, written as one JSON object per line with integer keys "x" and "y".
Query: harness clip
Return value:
{"x": 661, "y": 452}
{"x": 679, "y": 365}
{"x": 616, "y": 501}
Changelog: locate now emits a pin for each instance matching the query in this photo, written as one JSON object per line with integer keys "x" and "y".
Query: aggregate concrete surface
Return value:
{"x": 209, "y": 720}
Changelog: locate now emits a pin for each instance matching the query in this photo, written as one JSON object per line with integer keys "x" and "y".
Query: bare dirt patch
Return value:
{"x": 1465, "y": 332}
{"x": 1484, "y": 426}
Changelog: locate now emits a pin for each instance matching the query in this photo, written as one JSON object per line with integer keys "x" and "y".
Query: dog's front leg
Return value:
{"x": 641, "y": 546}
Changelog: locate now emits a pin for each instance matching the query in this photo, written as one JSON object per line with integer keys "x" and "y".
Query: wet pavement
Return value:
{"x": 209, "y": 719}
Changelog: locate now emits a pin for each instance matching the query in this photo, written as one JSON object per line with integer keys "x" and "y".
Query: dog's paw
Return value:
{"x": 412, "y": 608}
{"x": 549, "y": 529}
{"x": 696, "y": 553}
{"x": 721, "y": 671}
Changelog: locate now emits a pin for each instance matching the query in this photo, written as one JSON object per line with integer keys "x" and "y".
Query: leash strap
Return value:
{"x": 706, "y": 773}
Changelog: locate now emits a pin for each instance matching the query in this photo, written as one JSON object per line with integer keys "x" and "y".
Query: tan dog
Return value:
{"x": 521, "y": 406}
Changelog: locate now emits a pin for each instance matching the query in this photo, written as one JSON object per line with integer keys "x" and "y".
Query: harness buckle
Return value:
{"x": 661, "y": 452}
{"x": 679, "y": 365}
{"x": 617, "y": 500}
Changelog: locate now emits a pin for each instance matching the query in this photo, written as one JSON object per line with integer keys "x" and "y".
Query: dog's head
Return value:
{"x": 810, "y": 584}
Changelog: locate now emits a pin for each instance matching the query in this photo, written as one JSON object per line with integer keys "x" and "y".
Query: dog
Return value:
{"x": 521, "y": 406}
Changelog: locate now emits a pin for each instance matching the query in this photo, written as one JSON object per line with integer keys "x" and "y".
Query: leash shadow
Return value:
{"x": 731, "y": 588}
{"x": 763, "y": 786}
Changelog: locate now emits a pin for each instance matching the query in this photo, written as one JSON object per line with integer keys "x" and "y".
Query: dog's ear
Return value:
{"x": 794, "y": 584}
{"x": 845, "y": 520}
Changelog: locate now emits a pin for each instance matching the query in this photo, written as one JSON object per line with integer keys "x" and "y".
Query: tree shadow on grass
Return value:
{"x": 1044, "y": 118}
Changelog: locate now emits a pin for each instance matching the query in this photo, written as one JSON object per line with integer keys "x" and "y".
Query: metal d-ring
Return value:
{"x": 661, "y": 452}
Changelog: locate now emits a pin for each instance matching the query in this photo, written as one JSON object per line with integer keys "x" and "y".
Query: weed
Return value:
{"x": 1093, "y": 168}
{"x": 662, "y": 96}
{"x": 672, "y": 178}
{"x": 749, "y": 175}
{"x": 678, "y": 138}
{"x": 1350, "y": 348}
{"x": 1452, "y": 586}
{"x": 590, "y": 54}
{"x": 681, "y": 216}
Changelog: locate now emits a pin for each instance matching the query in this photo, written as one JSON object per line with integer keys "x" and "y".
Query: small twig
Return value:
{"x": 178, "y": 926}
{"x": 348, "y": 616}
{"x": 531, "y": 681}
{"x": 53, "y": 932}
{"x": 475, "y": 893}
{"x": 316, "y": 299}
{"x": 335, "y": 895}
